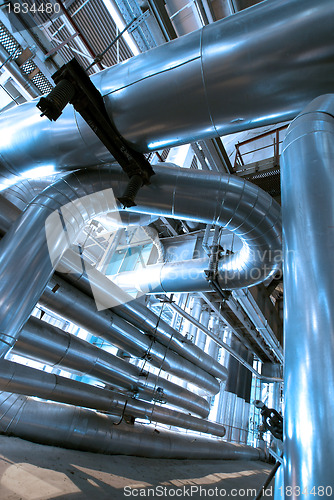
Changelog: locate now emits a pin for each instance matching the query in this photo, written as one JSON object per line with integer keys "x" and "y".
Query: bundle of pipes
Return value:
{"x": 82, "y": 429}
{"x": 22, "y": 379}
{"x": 43, "y": 342}
{"x": 74, "y": 305}
{"x": 39, "y": 235}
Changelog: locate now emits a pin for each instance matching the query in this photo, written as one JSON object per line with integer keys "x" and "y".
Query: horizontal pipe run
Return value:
{"x": 81, "y": 429}
{"x": 31, "y": 382}
{"x": 45, "y": 343}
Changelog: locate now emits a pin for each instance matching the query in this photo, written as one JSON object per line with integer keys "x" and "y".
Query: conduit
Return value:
{"x": 22, "y": 379}
{"x": 308, "y": 218}
{"x": 192, "y": 88}
{"x": 81, "y": 429}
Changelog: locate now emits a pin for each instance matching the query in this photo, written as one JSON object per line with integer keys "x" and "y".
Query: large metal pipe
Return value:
{"x": 43, "y": 342}
{"x": 81, "y": 429}
{"x": 31, "y": 382}
{"x": 232, "y": 202}
{"x": 77, "y": 307}
{"x": 308, "y": 218}
{"x": 258, "y": 67}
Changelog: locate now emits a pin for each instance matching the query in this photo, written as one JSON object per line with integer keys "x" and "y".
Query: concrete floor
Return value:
{"x": 30, "y": 471}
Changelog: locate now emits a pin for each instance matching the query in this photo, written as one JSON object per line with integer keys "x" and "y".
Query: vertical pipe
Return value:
{"x": 212, "y": 346}
{"x": 308, "y": 222}
{"x": 196, "y": 313}
{"x": 204, "y": 320}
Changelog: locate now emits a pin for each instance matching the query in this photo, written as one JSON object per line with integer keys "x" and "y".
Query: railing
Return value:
{"x": 240, "y": 162}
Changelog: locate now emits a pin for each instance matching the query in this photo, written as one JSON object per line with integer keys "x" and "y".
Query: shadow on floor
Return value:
{"x": 29, "y": 471}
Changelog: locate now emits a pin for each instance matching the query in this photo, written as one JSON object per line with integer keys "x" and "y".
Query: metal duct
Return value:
{"x": 308, "y": 218}
{"x": 43, "y": 342}
{"x": 230, "y": 202}
{"x": 77, "y": 307}
{"x": 81, "y": 429}
{"x": 22, "y": 193}
{"x": 28, "y": 381}
{"x": 245, "y": 210}
{"x": 258, "y": 67}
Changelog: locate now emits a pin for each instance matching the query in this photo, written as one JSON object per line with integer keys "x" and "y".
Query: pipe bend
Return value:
{"x": 53, "y": 219}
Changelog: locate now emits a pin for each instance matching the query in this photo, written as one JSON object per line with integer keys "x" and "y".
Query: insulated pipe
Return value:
{"x": 232, "y": 75}
{"x": 77, "y": 307}
{"x": 81, "y": 429}
{"x": 22, "y": 193}
{"x": 308, "y": 218}
{"x": 30, "y": 382}
{"x": 107, "y": 294}
{"x": 187, "y": 276}
{"x": 230, "y": 202}
{"x": 45, "y": 343}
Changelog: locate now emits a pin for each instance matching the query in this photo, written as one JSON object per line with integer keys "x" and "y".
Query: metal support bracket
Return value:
{"x": 75, "y": 87}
